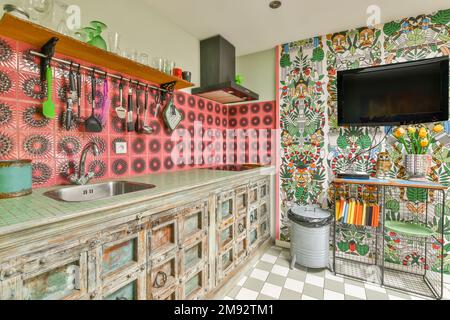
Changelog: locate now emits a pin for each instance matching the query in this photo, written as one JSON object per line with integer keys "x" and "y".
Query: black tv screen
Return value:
{"x": 398, "y": 94}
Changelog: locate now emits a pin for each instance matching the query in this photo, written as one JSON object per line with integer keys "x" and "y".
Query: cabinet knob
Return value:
{"x": 42, "y": 261}
{"x": 93, "y": 295}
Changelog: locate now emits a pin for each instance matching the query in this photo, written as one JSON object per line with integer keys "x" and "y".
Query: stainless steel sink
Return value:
{"x": 97, "y": 191}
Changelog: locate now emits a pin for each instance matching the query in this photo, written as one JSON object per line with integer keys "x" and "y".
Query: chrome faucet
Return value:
{"x": 83, "y": 178}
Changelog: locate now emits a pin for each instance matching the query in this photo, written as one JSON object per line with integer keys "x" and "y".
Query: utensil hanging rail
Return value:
{"x": 76, "y": 65}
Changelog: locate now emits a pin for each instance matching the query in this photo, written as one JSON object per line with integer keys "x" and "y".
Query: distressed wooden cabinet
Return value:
{"x": 46, "y": 275}
{"x": 181, "y": 252}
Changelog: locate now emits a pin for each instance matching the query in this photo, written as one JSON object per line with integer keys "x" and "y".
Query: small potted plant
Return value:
{"x": 417, "y": 141}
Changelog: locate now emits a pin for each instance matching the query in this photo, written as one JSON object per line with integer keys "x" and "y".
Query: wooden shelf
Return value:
{"x": 36, "y": 35}
{"x": 392, "y": 183}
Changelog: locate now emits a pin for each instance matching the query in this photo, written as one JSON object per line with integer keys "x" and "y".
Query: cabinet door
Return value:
{"x": 163, "y": 236}
{"x": 193, "y": 221}
{"x": 194, "y": 285}
{"x": 162, "y": 276}
{"x": 193, "y": 255}
{"x": 10, "y": 289}
{"x": 225, "y": 264}
{"x": 241, "y": 227}
{"x": 253, "y": 194}
{"x": 170, "y": 294}
{"x": 264, "y": 229}
{"x": 253, "y": 238}
{"x": 264, "y": 189}
{"x": 128, "y": 287}
{"x": 241, "y": 200}
{"x": 226, "y": 237}
{"x": 122, "y": 251}
{"x": 253, "y": 216}
{"x": 241, "y": 249}
{"x": 225, "y": 209}
{"x": 64, "y": 278}
{"x": 264, "y": 210}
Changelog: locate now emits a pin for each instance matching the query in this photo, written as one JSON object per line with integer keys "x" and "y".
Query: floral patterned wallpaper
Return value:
{"x": 313, "y": 147}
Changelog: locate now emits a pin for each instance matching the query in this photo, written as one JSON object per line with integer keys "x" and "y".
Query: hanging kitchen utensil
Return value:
{"x": 48, "y": 107}
{"x": 137, "y": 126}
{"x": 68, "y": 116}
{"x": 130, "y": 123}
{"x": 120, "y": 110}
{"x": 157, "y": 102}
{"x": 146, "y": 129}
{"x": 171, "y": 115}
{"x": 79, "y": 92}
{"x": 92, "y": 124}
{"x": 105, "y": 106}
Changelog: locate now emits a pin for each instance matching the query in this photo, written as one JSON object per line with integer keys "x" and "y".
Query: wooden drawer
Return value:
{"x": 10, "y": 289}
{"x": 162, "y": 276}
{"x": 195, "y": 284}
{"x": 192, "y": 255}
{"x": 241, "y": 201}
{"x": 60, "y": 276}
{"x": 193, "y": 222}
{"x": 129, "y": 287}
{"x": 226, "y": 237}
{"x": 123, "y": 253}
{"x": 163, "y": 236}
{"x": 225, "y": 264}
{"x": 253, "y": 216}
{"x": 241, "y": 227}
{"x": 225, "y": 208}
{"x": 253, "y": 239}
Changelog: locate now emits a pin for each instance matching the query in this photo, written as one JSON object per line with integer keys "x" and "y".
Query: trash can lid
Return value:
{"x": 310, "y": 216}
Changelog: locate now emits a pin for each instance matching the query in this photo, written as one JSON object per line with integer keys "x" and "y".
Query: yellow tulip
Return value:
{"x": 399, "y": 133}
{"x": 423, "y": 133}
{"x": 438, "y": 128}
{"x": 424, "y": 143}
{"x": 412, "y": 130}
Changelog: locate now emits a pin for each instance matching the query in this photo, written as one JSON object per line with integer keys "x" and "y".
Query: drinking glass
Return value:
{"x": 158, "y": 64}
{"x": 38, "y": 9}
{"x": 144, "y": 59}
{"x": 114, "y": 42}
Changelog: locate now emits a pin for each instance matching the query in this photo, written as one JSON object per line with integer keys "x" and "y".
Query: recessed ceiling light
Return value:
{"x": 275, "y": 4}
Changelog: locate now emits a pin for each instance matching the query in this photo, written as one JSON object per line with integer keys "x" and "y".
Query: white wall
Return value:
{"x": 258, "y": 71}
{"x": 144, "y": 29}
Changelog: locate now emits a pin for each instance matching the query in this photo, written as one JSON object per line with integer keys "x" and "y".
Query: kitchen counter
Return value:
{"x": 37, "y": 210}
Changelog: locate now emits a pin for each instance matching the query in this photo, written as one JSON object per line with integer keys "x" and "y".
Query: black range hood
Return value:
{"x": 218, "y": 73}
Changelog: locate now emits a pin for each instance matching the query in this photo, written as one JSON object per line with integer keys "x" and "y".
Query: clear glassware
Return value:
{"x": 39, "y": 10}
{"x": 114, "y": 42}
{"x": 158, "y": 64}
{"x": 144, "y": 59}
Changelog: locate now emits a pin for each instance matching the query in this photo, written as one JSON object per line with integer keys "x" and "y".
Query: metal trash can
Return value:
{"x": 310, "y": 236}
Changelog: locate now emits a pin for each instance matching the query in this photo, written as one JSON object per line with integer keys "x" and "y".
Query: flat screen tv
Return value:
{"x": 398, "y": 94}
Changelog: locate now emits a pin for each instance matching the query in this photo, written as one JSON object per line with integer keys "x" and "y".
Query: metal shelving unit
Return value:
{"x": 405, "y": 251}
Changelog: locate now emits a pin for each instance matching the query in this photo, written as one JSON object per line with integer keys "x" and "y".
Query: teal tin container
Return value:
{"x": 15, "y": 178}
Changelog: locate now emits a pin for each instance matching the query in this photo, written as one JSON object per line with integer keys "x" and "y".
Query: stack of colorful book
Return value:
{"x": 359, "y": 213}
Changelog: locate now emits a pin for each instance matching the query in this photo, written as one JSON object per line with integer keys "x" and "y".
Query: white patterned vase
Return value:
{"x": 417, "y": 166}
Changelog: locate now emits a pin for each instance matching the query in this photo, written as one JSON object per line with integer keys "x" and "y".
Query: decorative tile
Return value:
{"x": 294, "y": 285}
{"x": 314, "y": 280}
{"x": 355, "y": 291}
{"x": 246, "y": 294}
{"x": 332, "y": 295}
{"x": 259, "y": 274}
{"x": 271, "y": 290}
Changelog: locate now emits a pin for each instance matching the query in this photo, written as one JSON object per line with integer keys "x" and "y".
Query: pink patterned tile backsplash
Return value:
{"x": 26, "y": 134}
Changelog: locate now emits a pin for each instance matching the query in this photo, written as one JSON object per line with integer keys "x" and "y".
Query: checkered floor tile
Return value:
{"x": 271, "y": 278}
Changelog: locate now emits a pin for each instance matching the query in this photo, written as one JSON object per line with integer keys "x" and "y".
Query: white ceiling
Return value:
{"x": 252, "y": 26}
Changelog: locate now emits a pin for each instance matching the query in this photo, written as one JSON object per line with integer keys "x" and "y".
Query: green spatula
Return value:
{"x": 48, "y": 108}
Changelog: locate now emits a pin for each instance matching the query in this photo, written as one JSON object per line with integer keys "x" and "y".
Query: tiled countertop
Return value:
{"x": 36, "y": 209}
